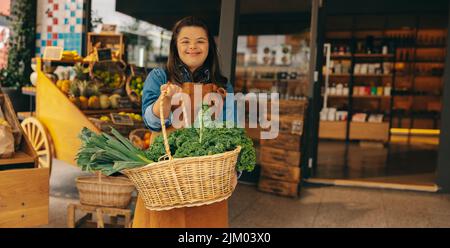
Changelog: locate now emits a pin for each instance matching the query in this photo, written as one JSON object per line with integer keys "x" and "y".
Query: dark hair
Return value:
{"x": 174, "y": 63}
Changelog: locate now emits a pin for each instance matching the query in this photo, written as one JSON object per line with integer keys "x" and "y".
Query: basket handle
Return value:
{"x": 163, "y": 125}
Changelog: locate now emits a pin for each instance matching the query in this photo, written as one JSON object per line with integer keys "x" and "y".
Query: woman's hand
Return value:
{"x": 170, "y": 89}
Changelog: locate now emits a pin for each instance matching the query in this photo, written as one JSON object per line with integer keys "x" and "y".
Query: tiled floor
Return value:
{"x": 319, "y": 206}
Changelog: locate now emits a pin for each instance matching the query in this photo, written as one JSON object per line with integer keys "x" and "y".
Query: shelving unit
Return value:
{"x": 417, "y": 55}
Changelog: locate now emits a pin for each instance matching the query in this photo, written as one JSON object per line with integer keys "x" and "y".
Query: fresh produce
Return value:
{"x": 64, "y": 85}
{"x": 108, "y": 154}
{"x": 146, "y": 140}
{"x": 110, "y": 80}
{"x": 136, "y": 85}
{"x": 105, "y": 118}
{"x": 81, "y": 72}
{"x": 70, "y": 55}
{"x": 133, "y": 116}
{"x": 114, "y": 101}
{"x": 94, "y": 102}
{"x": 101, "y": 152}
{"x": 105, "y": 103}
{"x": 83, "y": 102}
{"x": 75, "y": 100}
{"x": 186, "y": 143}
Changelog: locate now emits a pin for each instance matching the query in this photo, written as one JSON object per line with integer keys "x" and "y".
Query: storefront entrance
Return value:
{"x": 381, "y": 93}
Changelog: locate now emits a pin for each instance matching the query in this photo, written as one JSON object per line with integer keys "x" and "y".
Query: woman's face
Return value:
{"x": 192, "y": 45}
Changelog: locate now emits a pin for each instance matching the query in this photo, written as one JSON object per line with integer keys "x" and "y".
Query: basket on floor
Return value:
{"x": 185, "y": 182}
{"x": 105, "y": 191}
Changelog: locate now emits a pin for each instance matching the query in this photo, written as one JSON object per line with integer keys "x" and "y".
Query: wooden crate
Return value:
{"x": 283, "y": 141}
{"x": 281, "y": 172}
{"x": 293, "y": 107}
{"x": 290, "y": 124}
{"x": 278, "y": 187}
{"x": 270, "y": 155}
{"x": 24, "y": 197}
{"x": 113, "y": 41}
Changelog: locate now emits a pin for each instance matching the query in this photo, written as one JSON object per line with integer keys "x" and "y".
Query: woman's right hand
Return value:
{"x": 170, "y": 89}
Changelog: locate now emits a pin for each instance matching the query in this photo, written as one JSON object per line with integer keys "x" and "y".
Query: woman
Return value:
{"x": 193, "y": 57}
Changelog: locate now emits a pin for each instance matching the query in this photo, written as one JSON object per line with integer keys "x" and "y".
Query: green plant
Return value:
{"x": 21, "y": 44}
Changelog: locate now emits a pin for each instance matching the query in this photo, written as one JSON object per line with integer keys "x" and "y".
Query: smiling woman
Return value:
{"x": 193, "y": 58}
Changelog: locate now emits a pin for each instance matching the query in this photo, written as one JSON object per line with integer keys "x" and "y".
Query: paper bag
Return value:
{"x": 6, "y": 142}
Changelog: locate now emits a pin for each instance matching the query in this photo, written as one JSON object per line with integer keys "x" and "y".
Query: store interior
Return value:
{"x": 383, "y": 80}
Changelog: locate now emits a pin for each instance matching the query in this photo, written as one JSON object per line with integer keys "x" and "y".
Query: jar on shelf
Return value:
{"x": 387, "y": 90}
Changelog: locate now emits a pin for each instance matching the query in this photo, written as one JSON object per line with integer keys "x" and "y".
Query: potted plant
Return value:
{"x": 21, "y": 48}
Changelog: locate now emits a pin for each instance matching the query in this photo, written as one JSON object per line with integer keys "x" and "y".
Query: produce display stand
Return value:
{"x": 24, "y": 185}
{"x": 63, "y": 120}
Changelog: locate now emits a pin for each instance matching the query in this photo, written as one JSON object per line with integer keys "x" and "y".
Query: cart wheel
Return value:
{"x": 37, "y": 135}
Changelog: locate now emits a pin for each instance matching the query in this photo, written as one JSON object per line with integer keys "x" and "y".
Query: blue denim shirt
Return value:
{"x": 151, "y": 92}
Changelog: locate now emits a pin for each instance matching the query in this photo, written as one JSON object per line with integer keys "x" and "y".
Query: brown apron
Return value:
{"x": 213, "y": 215}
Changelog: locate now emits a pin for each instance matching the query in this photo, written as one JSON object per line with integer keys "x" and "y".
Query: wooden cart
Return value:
{"x": 24, "y": 190}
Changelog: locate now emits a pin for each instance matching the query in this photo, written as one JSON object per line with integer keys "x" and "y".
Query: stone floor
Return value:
{"x": 318, "y": 206}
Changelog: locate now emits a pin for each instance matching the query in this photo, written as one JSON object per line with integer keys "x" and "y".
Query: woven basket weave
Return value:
{"x": 185, "y": 182}
{"x": 105, "y": 191}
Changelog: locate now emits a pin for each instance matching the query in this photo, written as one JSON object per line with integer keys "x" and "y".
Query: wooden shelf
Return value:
{"x": 107, "y": 111}
{"x": 372, "y": 75}
{"x": 363, "y": 55}
{"x": 339, "y": 75}
{"x": 18, "y": 158}
{"x": 371, "y": 97}
{"x": 332, "y": 130}
{"x": 369, "y": 131}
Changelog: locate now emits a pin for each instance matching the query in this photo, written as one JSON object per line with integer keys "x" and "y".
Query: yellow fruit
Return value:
{"x": 104, "y": 118}
{"x": 75, "y": 100}
{"x": 59, "y": 83}
{"x": 94, "y": 102}
{"x": 65, "y": 87}
{"x": 83, "y": 102}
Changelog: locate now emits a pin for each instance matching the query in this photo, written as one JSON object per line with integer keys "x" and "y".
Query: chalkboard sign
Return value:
{"x": 119, "y": 119}
{"x": 104, "y": 54}
{"x": 138, "y": 71}
{"x": 124, "y": 103}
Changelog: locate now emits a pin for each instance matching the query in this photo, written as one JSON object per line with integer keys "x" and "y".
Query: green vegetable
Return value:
{"x": 108, "y": 154}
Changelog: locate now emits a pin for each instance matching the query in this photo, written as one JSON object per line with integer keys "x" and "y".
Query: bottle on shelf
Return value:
{"x": 387, "y": 89}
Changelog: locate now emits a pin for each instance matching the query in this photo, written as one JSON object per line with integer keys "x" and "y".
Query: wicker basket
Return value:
{"x": 137, "y": 137}
{"x": 105, "y": 191}
{"x": 111, "y": 67}
{"x": 185, "y": 182}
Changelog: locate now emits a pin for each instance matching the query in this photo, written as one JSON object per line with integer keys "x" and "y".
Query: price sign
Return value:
{"x": 124, "y": 103}
{"x": 119, "y": 119}
{"x": 138, "y": 71}
{"x": 109, "y": 28}
{"x": 104, "y": 54}
{"x": 53, "y": 53}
